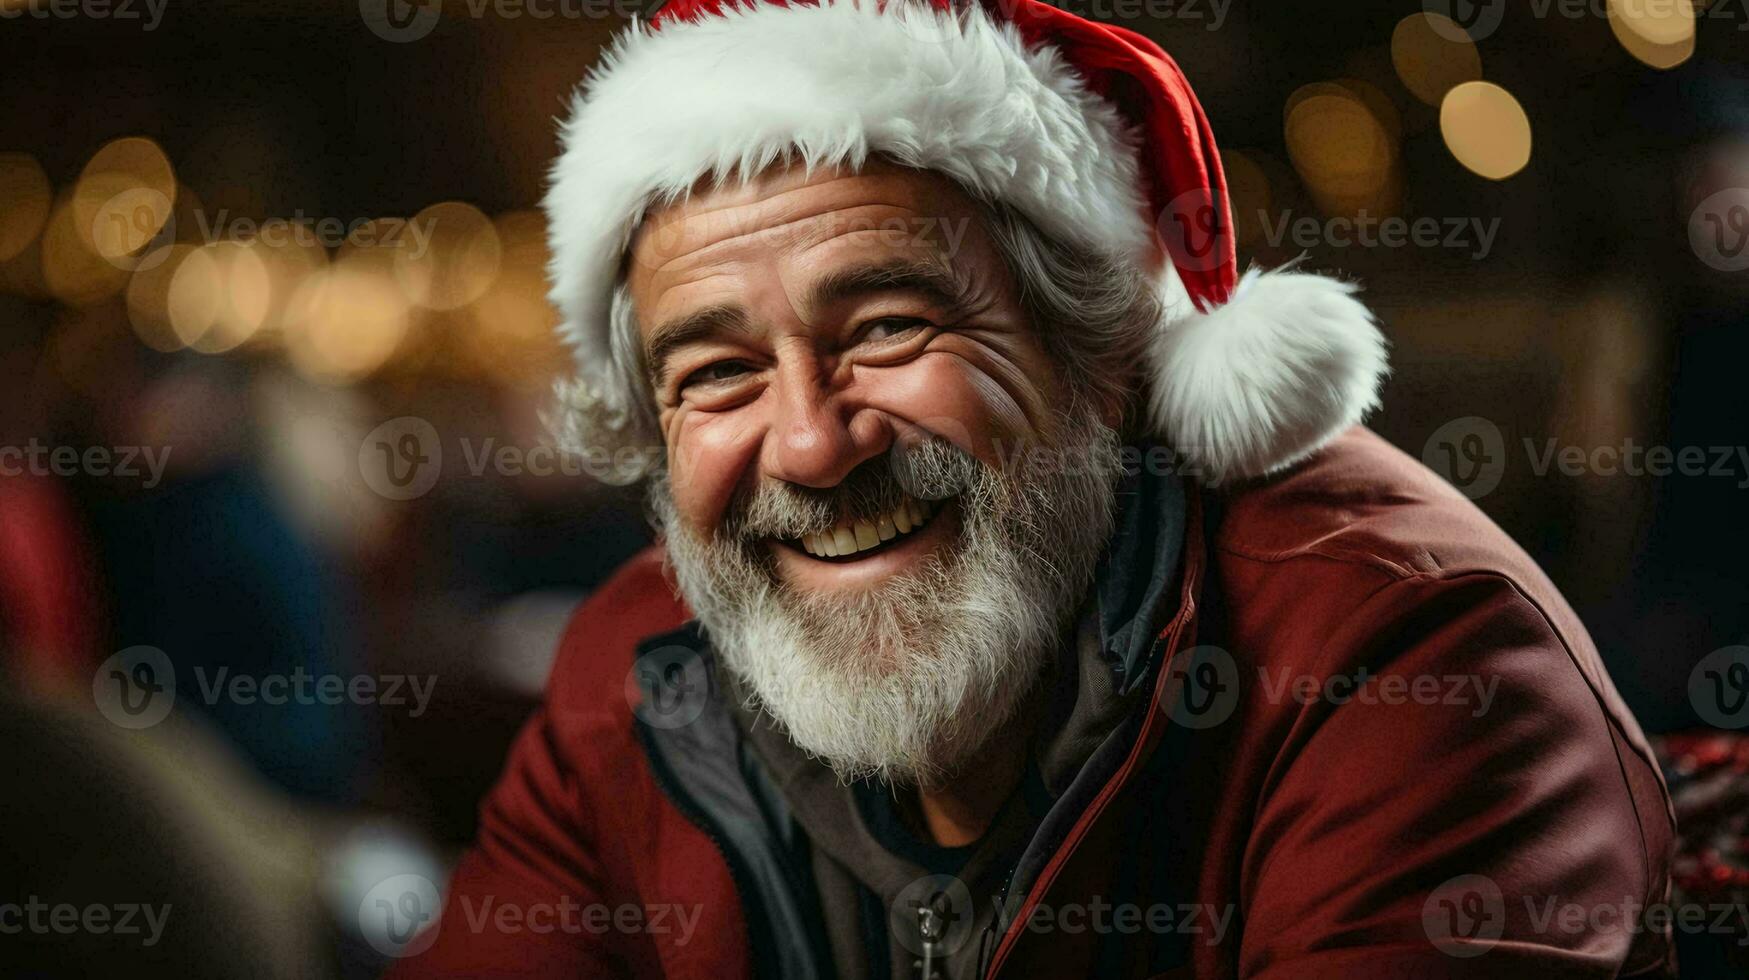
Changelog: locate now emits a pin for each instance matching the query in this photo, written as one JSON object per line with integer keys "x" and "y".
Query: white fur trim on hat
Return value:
{"x": 1267, "y": 379}
{"x": 957, "y": 93}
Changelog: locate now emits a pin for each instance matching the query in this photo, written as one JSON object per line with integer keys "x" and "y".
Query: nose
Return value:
{"x": 817, "y": 437}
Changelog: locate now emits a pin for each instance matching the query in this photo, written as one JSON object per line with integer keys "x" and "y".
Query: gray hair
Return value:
{"x": 1093, "y": 310}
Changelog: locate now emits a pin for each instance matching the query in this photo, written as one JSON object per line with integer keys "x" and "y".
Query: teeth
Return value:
{"x": 857, "y": 536}
{"x": 866, "y": 536}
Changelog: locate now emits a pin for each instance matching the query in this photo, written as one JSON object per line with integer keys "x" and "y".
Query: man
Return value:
{"x": 1030, "y": 603}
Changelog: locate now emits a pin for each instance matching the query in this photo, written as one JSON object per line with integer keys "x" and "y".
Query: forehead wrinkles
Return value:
{"x": 698, "y": 230}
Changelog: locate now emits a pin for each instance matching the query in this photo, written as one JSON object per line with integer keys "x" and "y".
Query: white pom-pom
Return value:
{"x": 1267, "y": 379}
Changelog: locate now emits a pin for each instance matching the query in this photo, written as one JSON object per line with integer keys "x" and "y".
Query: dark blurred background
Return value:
{"x": 274, "y": 345}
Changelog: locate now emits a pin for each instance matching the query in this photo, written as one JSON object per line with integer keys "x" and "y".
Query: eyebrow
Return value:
{"x": 936, "y": 282}
{"x": 690, "y": 328}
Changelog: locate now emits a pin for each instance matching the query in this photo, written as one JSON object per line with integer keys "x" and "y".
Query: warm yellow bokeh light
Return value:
{"x": 25, "y": 197}
{"x": 1485, "y": 129}
{"x": 290, "y": 256}
{"x": 1659, "y": 33}
{"x": 1428, "y": 59}
{"x": 1341, "y": 148}
{"x": 509, "y": 334}
{"x": 1248, "y": 194}
{"x": 448, "y": 256}
{"x": 148, "y": 297}
{"x": 124, "y": 197}
{"x": 243, "y": 294}
{"x": 74, "y": 273}
{"x": 193, "y": 299}
{"x": 345, "y": 322}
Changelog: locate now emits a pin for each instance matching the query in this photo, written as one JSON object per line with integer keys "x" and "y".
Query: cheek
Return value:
{"x": 983, "y": 411}
{"x": 709, "y": 455}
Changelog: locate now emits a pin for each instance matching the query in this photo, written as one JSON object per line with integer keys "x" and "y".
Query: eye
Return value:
{"x": 890, "y": 327}
{"x": 715, "y": 372}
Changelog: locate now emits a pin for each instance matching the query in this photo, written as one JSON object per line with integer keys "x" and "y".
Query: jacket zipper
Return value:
{"x": 932, "y": 928}
{"x": 1118, "y": 780}
{"x": 1168, "y": 642}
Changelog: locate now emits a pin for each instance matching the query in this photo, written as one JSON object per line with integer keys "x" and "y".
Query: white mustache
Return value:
{"x": 934, "y": 469}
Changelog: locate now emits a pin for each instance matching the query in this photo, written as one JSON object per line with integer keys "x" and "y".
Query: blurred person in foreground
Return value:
{"x": 948, "y": 667}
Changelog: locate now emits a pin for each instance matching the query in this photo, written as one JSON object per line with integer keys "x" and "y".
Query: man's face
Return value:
{"x": 799, "y": 327}
{"x": 842, "y": 371}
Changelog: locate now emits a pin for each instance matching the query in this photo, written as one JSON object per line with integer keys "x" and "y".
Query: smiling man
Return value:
{"x": 1030, "y": 602}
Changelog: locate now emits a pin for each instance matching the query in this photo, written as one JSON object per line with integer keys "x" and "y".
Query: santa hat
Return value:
{"x": 1088, "y": 130}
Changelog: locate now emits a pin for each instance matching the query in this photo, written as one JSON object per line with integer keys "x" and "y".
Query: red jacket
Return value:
{"x": 1364, "y": 808}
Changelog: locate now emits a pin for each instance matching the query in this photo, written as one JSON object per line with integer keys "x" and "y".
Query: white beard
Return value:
{"x": 908, "y": 681}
